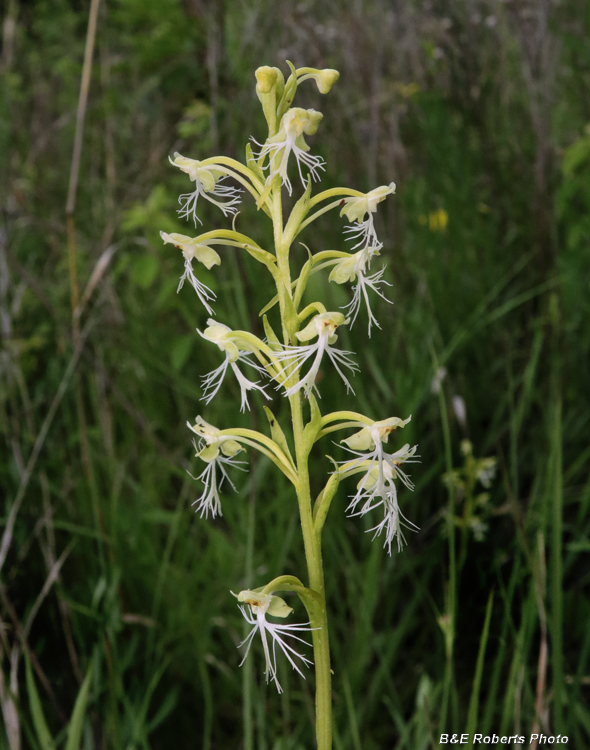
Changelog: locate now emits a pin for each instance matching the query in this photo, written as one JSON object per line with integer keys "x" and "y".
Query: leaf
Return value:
{"x": 144, "y": 271}
{"x": 41, "y": 728}
{"x": 77, "y": 719}
{"x": 576, "y": 155}
{"x": 180, "y": 351}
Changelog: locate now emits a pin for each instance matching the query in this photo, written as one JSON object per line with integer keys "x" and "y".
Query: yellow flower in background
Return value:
{"x": 436, "y": 220}
{"x": 407, "y": 90}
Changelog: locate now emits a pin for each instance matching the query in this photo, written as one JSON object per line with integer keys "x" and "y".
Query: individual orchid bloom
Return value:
{"x": 258, "y": 606}
{"x": 222, "y": 335}
{"x": 385, "y": 495}
{"x": 192, "y": 249}
{"x": 218, "y": 451}
{"x": 373, "y": 435}
{"x": 380, "y": 468}
{"x": 377, "y": 489}
{"x": 295, "y": 123}
{"x": 355, "y": 267}
{"x": 207, "y": 183}
{"x": 356, "y": 209}
{"x": 323, "y": 326}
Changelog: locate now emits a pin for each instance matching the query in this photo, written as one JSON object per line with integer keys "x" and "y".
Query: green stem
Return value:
{"x": 313, "y": 554}
{"x": 311, "y": 539}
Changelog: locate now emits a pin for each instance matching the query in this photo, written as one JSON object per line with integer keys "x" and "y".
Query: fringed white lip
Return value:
{"x": 189, "y": 201}
{"x": 212, "y": 381}
{"x": 277, "y": 632}
{"x": 203, "y": 292}
{"x": 298, "y": 355}
{"x": 209, "y": 501}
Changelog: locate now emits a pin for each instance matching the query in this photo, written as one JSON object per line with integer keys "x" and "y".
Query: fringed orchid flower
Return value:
{"x": 225, "y": 339}
{"x": 323, "y": 326}
{"x": 295, "y": 123}
{"x": 207, "y": 183}
{"x": 218, "y": 451}
{"x": 258, "y": 606}
{"x": 191, "y": 250}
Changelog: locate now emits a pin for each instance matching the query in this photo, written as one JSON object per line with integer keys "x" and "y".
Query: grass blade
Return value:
{"x": 474, "y": 700}
{"x": 39, "y": 722}
{"x": 77, "y": 720}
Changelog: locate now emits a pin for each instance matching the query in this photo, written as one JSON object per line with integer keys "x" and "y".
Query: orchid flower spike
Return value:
{"x": 258, "y": 607}
{"x": 295, "y": 123}
{"x": 323, "y": 326}
{"x": 228, "y": 342}
{"x": 355, "y": 267}
{"x": 206, "y": 181}
{"x": 355, "y": 210}
{"x": 218, "y": 451}
{"x": 191, "y": 249}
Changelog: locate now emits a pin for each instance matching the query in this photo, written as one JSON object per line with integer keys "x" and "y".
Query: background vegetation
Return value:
{"x": 480, "y": 111}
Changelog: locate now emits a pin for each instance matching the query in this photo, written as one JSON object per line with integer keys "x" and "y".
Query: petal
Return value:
{"x": 360, "y": 441}
{"x": 279, "y": 608}
{"x": 230, "y": 447}
{"x": 207, "y": 256}
{"x": 344, "y": 271}
{"x": 309, "y": 332}
{"x": 209, "y": 453}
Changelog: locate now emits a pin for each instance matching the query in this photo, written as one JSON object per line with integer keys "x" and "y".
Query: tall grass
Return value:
{"x": 446, "y": 102}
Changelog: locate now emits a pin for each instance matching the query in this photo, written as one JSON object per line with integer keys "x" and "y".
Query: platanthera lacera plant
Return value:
{"x": 289, "y": 359}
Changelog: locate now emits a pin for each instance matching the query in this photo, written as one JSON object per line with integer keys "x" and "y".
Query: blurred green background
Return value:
{"x": 480, "y": 112}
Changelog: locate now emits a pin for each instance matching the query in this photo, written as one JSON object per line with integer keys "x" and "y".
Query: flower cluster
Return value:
{"x": 309, "y": 340}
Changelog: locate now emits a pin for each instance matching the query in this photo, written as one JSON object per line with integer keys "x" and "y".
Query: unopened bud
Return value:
{"x": 266, "y": 78}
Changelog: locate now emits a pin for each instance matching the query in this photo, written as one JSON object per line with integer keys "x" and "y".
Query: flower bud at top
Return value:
{"x": 324, "y": 79}
{"x": 266, "y": 78}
